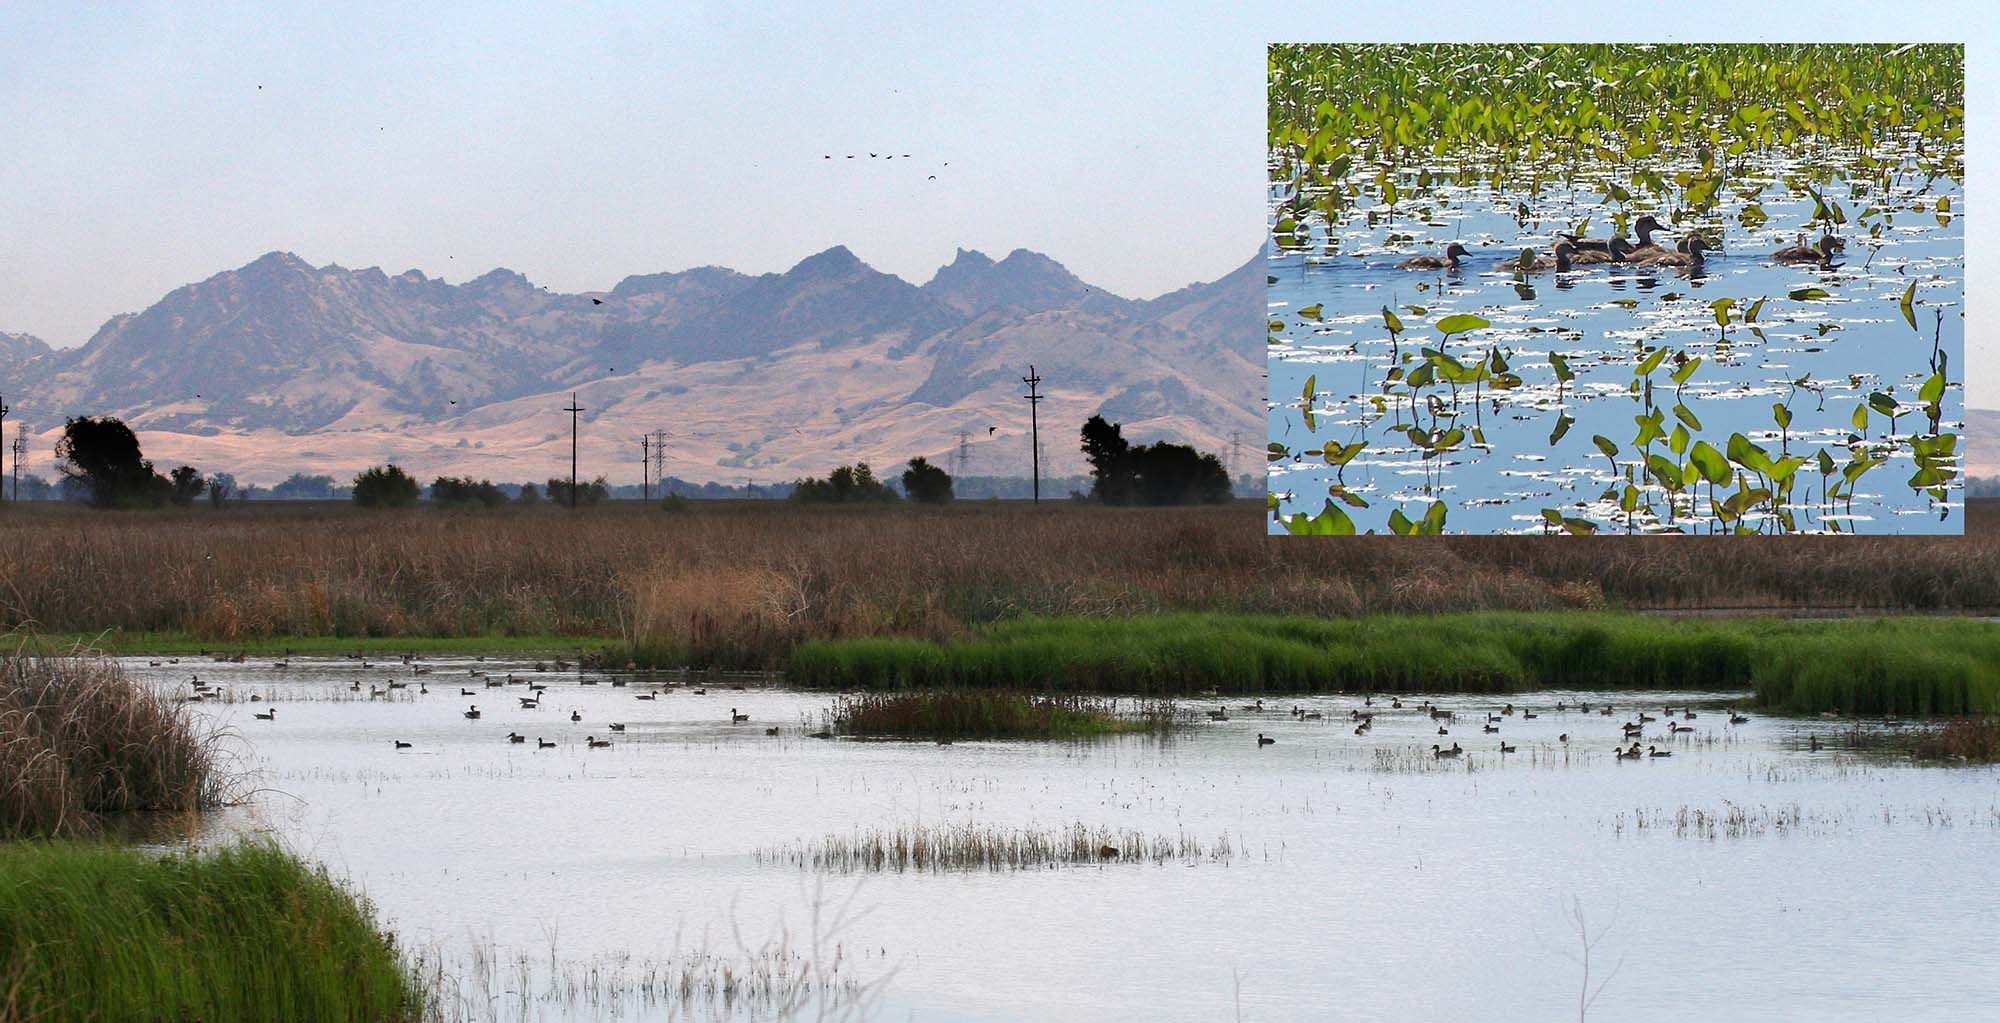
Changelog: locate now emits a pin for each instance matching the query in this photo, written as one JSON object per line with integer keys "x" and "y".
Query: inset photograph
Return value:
{"x": 1616, "y": 289}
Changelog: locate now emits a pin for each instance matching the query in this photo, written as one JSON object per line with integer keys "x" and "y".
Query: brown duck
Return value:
{"x": 1448, "y": 261}
{"x": 1819, "y": 253}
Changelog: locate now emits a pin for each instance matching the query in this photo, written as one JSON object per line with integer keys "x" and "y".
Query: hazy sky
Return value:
{"x": 144, "y": 146}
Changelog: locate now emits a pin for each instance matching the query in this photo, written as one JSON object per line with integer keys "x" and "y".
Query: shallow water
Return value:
{"x": 1370, "y": 880}
{"x": 1850, "y": 343}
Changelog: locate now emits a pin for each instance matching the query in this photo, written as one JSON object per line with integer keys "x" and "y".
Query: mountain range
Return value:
{"x": 281, "y": 366}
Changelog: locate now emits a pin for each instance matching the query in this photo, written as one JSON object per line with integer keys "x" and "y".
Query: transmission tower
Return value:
{"x": 964, "y": 453}
{"x": 20, "y": 452}
{"x": 660, "y": 460}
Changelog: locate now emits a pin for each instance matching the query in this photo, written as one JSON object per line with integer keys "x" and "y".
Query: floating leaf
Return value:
{"x": 1561, "y": 366}
{"x": 1908, "y": 305}
{"x": 1809, "y": 294}
{"x": 1311, "y": 312}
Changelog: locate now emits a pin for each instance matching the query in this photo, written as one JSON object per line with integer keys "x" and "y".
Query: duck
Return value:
{"x": 1645, "y": 717}
{"x": 528, "y": 703}
{"x": 1527, "y": 715}
{"x": 1448, "y": 261}
{"x": 1680, "y": 728}
{"x": 466, "y": 692}
{"x": 1264, "y": 740}
{"x": 1643, "y": 227}
{"x": 1651, "y": 752}
{"x": 1738, "y": 719}
{"x": 647, "y": 696}
{"x": 1440, "y": 754}
{"x": 1259, "y": 705}
{"x": 617, "y": 726}
{"x": 400, "y": 744}
{"x": 1563, "y": 738}
{"x": 1627, "y": 754}
{"x": 1691, "y": 257}
{"x": 1311, "y": 715}
{"x": 269, "y": 715}
{"x": 576, "y": 715}
{"x": 1814, "y": 747}
{"x": 472, "y": 713}
{"x": 1619, "y": 252}
{"x": 516, "y": 737}
{"x": 1528, "y": 262}
{"x": 595, "y": 743}
{"x": 1442, "y": 730}
{"x": 735, "y": 718}
{"x": 541, "y": 743}
{"x": 1819, "y": 252}
{"x": 773, "y": 730}
{"x": 1218, "y": 715}
{"x": 1489, "y": 729}
{"x": 1504, "y": 748}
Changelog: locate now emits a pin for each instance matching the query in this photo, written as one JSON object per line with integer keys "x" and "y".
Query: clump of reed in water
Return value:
{"x": 967, "y": 846}
{"x": 80, "y": 740}
{"x": 1972, "y": 739}
{"x": 947, "y": 714}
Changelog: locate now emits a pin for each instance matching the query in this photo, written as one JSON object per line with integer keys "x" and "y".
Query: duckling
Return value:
{"x": 1264, "y": 740}
{"x": 1440, "y": 754}
{"x": 1643, "y": 227}
{"x": 1820, "y": 252}
{"x": 269, "y": 715}
{"x": 1651, "y": 752}
{"x": 1448, "y": 261}
{"x": 1690, "y": 258}
{"x": 1528, "y": 262}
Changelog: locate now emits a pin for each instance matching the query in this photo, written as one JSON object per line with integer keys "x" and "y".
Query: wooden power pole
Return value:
{"x": 573, "y": 409}
{"x": 1034, "y": 397}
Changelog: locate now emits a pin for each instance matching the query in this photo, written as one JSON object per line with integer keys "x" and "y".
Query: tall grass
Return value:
{"x": 976, "y": 847}
{"x": 79, "y": 741}
{"x": 99, "y": 932}
{"x": 740, "y": 584}
{"x": 1909, "y": 666}
{"x": 946, "y": 714}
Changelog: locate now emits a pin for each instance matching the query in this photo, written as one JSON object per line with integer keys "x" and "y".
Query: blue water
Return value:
{"x": 1602, "y": 320}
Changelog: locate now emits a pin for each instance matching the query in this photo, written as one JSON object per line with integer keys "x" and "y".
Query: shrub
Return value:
{"x": 385, "y": 486}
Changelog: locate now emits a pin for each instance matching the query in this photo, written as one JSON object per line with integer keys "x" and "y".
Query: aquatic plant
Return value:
{"x": 102, "y": 932}
{"x": 968, "y": 846}
{"x": 948, "y": 714}
{"x": 79, "y": 741}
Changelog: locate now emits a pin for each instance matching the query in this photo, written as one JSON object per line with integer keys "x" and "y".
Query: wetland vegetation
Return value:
{"x": 948, "y": 714}
{"x": 968, "y": 846}
{"x": 1619, "y": 400}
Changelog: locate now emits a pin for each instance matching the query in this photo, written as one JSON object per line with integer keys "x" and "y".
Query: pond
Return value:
{"x": 1344, "y": 875}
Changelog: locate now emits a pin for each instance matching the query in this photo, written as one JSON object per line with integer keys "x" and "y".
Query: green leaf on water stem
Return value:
{"x": 1391, "y": 321}
{"x": 1459, "y": 323}
{"x": 1685, "y": 371}
{"x": 1686, "y": 415}
{"x": 1714, "y": 468}
{"x": 1932, "y": 390}
{"x": 1561, "y": 366}
{"x": 1884, "y": 404}
{"x": 1755, "y": 308}
{"x": 1859, "y": 418}
{"x": 1652, "y": 362}
{"x": 1604, "y": 444}
{"x": 1908, "y": 305}
{"x": 1782, "y": 416}
{"x": 1563, "y": 423}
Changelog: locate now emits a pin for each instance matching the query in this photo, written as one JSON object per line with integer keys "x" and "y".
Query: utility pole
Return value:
{"x": 573, "y": 409}
{"x": 20, "y": 452}
{"x": 646, "y": 466}
{"x": 1034, "y": 397}
{"x": 3, "y": 437}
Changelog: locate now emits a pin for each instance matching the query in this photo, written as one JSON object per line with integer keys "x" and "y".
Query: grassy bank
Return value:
{"x": 79, "y": 742}
{"x": 739, "y": 584}
{"x": 119, "y": 642}
{"x": 947, "y": 714}
{"x": 1903, "y": 666}
{"x": 98, "y": 932}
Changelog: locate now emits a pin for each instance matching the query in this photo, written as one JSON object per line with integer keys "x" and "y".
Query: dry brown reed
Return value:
{"x": 739, "y": 584}
{"x": 79, "y": 741}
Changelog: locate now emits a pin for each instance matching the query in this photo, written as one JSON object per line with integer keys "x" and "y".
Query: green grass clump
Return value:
{"x": 100, "y": 932}
{"x": 990, "y": 714}
{"x": 80, "y": 741}
{"x": 1905, "y": 666}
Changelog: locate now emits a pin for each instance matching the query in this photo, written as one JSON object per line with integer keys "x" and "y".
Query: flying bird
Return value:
{"x": 596, "y": 301}
{"x": 991, "y": 430}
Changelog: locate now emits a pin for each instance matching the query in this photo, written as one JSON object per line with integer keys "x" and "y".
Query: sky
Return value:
{"x": 147, "y": 145}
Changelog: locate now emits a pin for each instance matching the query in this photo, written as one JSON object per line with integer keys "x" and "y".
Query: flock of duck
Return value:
{"x": 200, "y": 690}
{"x": 1633, "y": 730}
{"x": 1571, "y": 253}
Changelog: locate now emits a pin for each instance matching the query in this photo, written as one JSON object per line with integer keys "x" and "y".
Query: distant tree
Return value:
{"x": 301, "y": 487}
{"x": 1160, "y": 473}
{"x": 529, "y": 495}
{"x": 849, "y": 484}
{"x": 926, "y": 483}
{"x": 220, "y": 484}
{"x": 385, "y": 486}
{"x": 33, "y": 488}
{"x": 101, "y": 460}
{"x": 187, "y": 485}
{"x": 1105, "y": 448}
{"x": 466, "y": 492}
{"x": 586, "y": 493}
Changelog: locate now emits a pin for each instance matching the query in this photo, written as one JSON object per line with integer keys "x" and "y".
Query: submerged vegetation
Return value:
{"x": 946, "y": 714}
{"x": 1742, "y": 149}
{"x": 80, "y": 741}
{"x": 1903, "y": 666}
{"x": 98, "y": 932}
{"x": 975, "y": 847}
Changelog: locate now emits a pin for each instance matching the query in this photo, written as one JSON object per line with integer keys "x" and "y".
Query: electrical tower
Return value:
{"x": 645, "y": 467}
{"x": 964, "y": 453}
{"x": 660, "y": 460}
{"x": 20, "y": 452}
{"x": 1235, "y": 455}
{"x": 1034, "y": 396}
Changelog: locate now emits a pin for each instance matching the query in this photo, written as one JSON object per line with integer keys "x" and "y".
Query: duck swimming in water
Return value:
{"x": 1448, "y": 261}
{"x": 1821, "y": 253}
{"x": 1620, "y": 251}
{"x": 1643, "y": 227}
{"x": 1691, "y": 258}
{"x": 1527, "y": 262}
